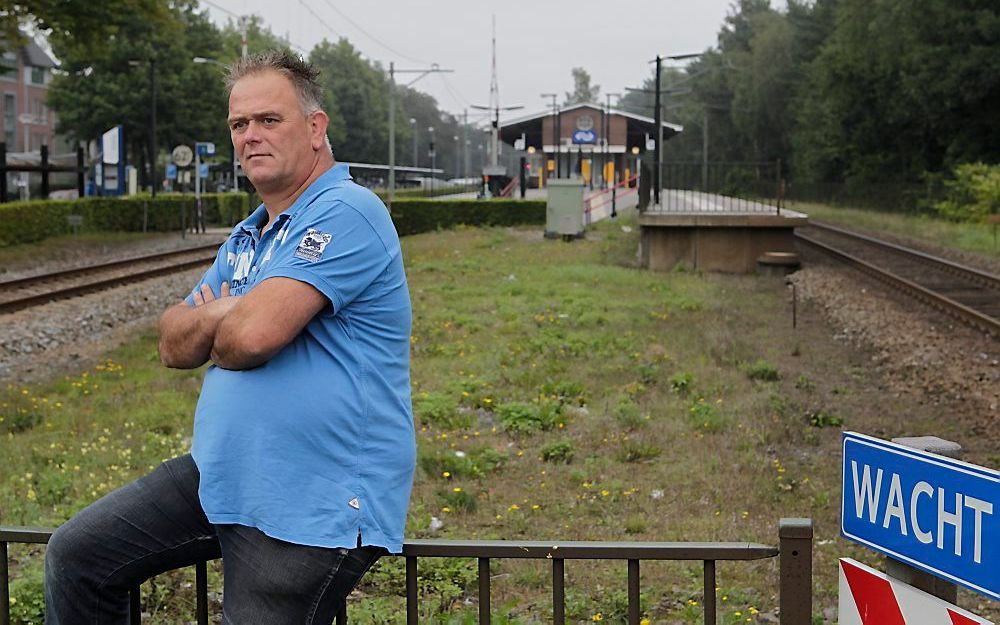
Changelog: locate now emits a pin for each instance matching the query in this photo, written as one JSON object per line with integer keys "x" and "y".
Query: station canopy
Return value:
{"x": 624, "y": 130}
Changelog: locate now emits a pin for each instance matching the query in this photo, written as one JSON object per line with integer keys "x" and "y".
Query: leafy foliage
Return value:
{"x": 582, "y": 92}
{"x": 761, "y": 369}
{"x": 843, "y": 91}
{"x": 974, "y": 194}
{"x": 37, "y": 219}
{"x": 76, "y": 26}
{"x": 558, "y": 452}
{"x": 93, "y": 93}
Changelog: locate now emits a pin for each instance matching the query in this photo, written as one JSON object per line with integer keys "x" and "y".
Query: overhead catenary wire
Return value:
{"x": 461, "y": 100}
{"x": 373, "y": 37}
{"x": 320, "y": 19}
{"x": 219, "y": 7}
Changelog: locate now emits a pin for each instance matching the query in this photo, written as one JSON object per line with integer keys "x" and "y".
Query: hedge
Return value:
{"x": 413, "y": 216}
{"x": 27, "y": 222}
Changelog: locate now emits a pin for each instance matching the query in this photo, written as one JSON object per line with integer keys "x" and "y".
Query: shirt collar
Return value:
{"x": 338, "y": 173}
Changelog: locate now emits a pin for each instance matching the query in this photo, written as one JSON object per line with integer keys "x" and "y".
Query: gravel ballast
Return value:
{"x": 43, "y": 341}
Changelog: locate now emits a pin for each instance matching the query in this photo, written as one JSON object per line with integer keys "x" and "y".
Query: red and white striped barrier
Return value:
{"x": 870, "y": 597}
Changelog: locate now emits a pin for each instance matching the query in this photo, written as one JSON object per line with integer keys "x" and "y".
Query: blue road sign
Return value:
{"x": 203, "y": 170}
{"x": 172, "y": 172}
{"x": 205, "y": 148}
{"x": 929, "y": 511}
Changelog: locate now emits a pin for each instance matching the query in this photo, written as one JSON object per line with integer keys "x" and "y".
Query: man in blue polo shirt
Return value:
{"x": 303, "y": 450}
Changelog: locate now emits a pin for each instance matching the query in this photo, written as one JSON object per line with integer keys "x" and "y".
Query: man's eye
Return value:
{"x": 270, "y": 121}
{"x": 240, "y": 125}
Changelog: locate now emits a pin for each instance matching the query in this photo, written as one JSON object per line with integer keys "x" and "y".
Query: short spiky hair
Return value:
{"x": 302, "y": 74}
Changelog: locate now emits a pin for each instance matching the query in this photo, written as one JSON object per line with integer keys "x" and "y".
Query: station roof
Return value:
{"x": 531, "y": 126}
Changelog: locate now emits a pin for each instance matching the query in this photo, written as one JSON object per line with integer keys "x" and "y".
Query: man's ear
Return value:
{"x": 318, "y": 124}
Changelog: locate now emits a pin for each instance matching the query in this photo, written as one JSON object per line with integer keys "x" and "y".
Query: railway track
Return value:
{"x": 41, "y": 289}
{"x": 966, "y": 293}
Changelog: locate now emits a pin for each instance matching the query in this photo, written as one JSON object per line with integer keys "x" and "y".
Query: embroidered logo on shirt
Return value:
{"x": 312, "y": 245}
{"x": 354, "y": 503}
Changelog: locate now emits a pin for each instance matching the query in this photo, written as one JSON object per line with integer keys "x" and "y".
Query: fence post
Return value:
{"x": 4, "y": 572}
{"x": 44, "y": 151}
{"x": 778, "y": 191}
{"x": 795, "y": 545}
{"x": 3, "y": 172}
{"x": 80, "y": 183}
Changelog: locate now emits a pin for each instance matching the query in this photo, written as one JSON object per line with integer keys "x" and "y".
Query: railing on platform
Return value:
{"x": 794, "y": 551}
{"x": 722, "y": 187}
{"x": 601, "y": 198}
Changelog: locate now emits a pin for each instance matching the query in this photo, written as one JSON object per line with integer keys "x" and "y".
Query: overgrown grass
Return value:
{"x": 978, "y": 238}
{"x": 560, "y": 394}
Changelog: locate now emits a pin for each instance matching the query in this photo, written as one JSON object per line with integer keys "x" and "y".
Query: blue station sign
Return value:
{"x": 584, "y": 137}
{"x": 931, "y": 512}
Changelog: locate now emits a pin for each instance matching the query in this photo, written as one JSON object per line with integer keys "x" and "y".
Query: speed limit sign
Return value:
{"x": 182, "y": 155}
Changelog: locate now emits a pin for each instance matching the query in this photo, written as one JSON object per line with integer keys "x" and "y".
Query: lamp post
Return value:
{"x": 413, "y": 128}
{"x": 556, "y": 130}
{"x": 606, "y": 131}
{"x": 431, "y": 153}
{"x": 458, "y": 145}
{"x": 434, "y": 69}
{"x": 152, "y": 123}
{"x": 465, "y": 159}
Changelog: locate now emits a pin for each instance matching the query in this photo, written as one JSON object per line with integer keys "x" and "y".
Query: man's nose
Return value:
{"x": 252, "y": 132}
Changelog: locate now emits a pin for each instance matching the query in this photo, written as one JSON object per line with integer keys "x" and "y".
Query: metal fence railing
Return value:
{"x": 794, "y": 551}
{"x": 721, "y": 187}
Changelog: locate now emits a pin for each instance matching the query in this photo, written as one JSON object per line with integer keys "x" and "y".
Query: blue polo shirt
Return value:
{"x": 317, "y": 444}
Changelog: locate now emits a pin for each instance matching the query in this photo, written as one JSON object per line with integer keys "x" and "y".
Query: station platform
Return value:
{"x": 713, "y": 232}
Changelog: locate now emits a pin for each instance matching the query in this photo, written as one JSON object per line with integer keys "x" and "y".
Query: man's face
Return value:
{"x": 276, "y": 142}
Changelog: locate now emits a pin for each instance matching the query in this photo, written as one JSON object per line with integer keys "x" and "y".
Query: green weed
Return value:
{"x": 706, "y": 416}
{"x": 761, "y": 370}
{"x": 681, "y": 383}
{"x": 628, "y": 414}
{"x": 634, "y": 451}
{"x": 441, "y": 410}
{"x": 824, "y": 419}
{"x": 559, "y": 452}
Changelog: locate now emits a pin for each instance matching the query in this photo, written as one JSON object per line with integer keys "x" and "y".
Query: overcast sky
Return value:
{"x": 538, "y": 42}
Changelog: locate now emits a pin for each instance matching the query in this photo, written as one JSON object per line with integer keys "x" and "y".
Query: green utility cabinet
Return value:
{"x": 564, "y": 209}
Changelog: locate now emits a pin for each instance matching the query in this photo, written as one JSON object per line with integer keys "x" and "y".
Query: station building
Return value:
{"x": 603, "y": 147}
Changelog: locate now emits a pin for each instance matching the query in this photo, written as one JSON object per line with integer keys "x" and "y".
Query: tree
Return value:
{"x": 93, "y": 94}
{"x": 259, "y": 39}
{"x": 81, "y": 27}
{"x": 582, "y": 92}
{"x": 889, "y": 97}
{"x": 356, "y": 99}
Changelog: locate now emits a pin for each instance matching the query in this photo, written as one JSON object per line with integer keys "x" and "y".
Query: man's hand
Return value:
{"x": 271, "y": 315}
{"x": 204, "y": 294}
{"x": 187, "y": 332}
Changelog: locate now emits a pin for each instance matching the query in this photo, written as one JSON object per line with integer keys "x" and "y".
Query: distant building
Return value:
{"x": 584, "y": 140}
{"x": 25, "y": 74}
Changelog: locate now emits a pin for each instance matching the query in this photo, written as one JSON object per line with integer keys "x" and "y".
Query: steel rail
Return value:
{"x": 941, "y": 302}
{"x": 35, "y": 299}
{"x": 65, "y": 273}
{"x": 983, "y": 277}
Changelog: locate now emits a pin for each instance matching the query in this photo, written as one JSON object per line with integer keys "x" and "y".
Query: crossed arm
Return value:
{"x": 237, "y": 332}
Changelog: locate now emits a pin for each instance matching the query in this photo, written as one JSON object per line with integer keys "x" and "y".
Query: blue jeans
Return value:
{"x": 156, "y": 524}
